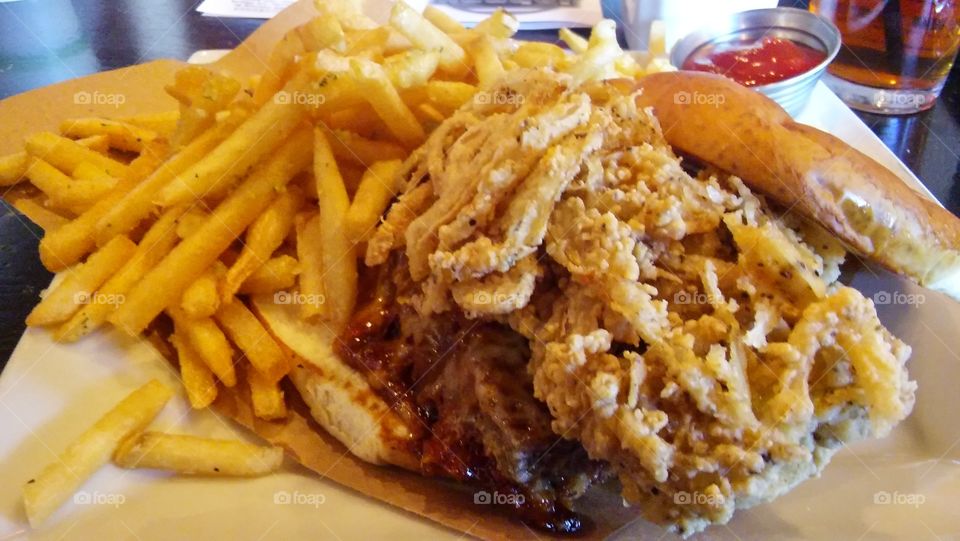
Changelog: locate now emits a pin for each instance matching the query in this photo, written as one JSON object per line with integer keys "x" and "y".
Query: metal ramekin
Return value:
{"x": 790, "y": 23}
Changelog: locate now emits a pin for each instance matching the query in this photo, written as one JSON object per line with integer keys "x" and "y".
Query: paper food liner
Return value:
{"x": 871, "y": 489}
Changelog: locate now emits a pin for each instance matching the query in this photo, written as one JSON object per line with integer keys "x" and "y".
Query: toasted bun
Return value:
{"x": 741, "y": 131}
{"x": 339, "y": 398}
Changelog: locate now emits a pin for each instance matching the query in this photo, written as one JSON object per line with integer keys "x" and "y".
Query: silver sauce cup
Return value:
{"x": 793, "y": 24}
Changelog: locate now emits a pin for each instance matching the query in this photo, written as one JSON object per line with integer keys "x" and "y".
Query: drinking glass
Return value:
{"x": 896, "y": 54}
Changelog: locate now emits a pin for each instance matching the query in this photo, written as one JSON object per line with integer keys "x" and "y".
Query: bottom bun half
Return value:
{"x": 339, "y": 398}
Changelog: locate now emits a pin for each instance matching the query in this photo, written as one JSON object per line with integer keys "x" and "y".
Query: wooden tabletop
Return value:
{"x": 45, "y": 41}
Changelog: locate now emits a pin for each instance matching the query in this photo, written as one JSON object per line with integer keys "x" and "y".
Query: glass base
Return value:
{"x": 882, "y": 100}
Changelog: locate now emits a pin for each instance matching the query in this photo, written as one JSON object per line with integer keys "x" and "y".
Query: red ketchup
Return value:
{"x": 756, "y": 63}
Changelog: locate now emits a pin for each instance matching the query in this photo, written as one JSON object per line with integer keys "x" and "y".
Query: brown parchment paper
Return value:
{"x": 132, "y": 90}
{"x": 438, "y": 500}
{"x": 140, "y": 89}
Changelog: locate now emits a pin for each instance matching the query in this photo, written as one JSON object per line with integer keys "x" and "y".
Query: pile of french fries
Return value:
{"x": 259, "y": 187}
{"x": 262, "y": 187}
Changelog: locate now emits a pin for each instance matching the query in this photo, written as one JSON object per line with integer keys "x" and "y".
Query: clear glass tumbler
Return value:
{"x": 896, "y": 54}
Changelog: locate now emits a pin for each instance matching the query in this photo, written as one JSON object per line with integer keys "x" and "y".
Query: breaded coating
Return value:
{"x": 680, "y": 328}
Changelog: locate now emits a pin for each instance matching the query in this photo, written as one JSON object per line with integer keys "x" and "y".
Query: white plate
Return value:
{"x": 906, "y": 486}
{"x": 207, "y": 56}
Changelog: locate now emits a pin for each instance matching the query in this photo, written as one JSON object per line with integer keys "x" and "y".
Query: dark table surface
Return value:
{"x": 45, "y": 41}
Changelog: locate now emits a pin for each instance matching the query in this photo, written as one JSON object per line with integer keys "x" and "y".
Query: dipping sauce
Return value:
{"x": 757, "y": 62}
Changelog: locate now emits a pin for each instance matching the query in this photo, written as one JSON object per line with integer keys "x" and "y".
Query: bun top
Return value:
{"x": 801, "y": 168}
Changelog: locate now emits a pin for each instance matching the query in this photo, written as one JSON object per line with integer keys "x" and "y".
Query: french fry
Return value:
{"x": 348, "y": 12}
{"x": 96, "y": 143}
{"x": 63, "y": 191}
{"x": 191, "y": 221}
{"x": 81, "y": 284}
{"x": 253, "y": 140}
{"x": 428, "y": 113}
{"x": 442, "y": 21}
{"x": 277, "y": 274}
{"x": 626, "y": 65}
{"x": 338, "y": 258}
{"x": 487, "y": 63}
{"x": 448, "y": 96}
{"x": 411, "y": 68}
{"x": 264, "y": 236}
{"x": 208, "y": 340}
{"x": 360, "y": 119}
{"x": 260, "y": 348}
{"x": 322, "y": 32}
{"x": 267, "y": 397}
{"x": 70, "y": 243}
{"x": 90, "y": 173}
{"x": 122, "y": 135}
{"x": 197, "y": 379}
{"x": 499, "y": 24}
{"x": 202, "y": 297}
{"x": 122, "y": 217}
{"x": 349, "y": 146}
{"x": 197, "y": 456}
{"x": 53, "y": 183}
{"x": 396, "y": 44}
{"x": 48, "y": 220}
{"x": 279, "y": 67}
{"x": 310, "y": 254}
{"x": 383, "y": 97}
{"x": 13, "y": 167}
{"x": 602, "y": 50}
{"x": 367, "y": 44}
{"x": 66, "y": 154}
{"x": 164, "y": 123}
{"x": 202, "y": 89}
{"x": 155, "y": 244}
{"x": 165, "y": 284}
{"x": 534, "y": 54}
{"x": 658, "y": 39}
{"x": 203, "y": 94}
{"x": 424, "y": 35}
{"x": 46, "y": 492}
{"x": 576, "y": 42}
{"x": 332, "y": 63}
{"x": 379, "y": 185}
{"x": 339, "y": 90}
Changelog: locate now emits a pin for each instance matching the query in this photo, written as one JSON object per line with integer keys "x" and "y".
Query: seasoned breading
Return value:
{"x": 680, "y": 329}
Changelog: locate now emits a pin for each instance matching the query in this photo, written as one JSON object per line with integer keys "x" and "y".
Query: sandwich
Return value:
{"x": 597, "y": 287}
